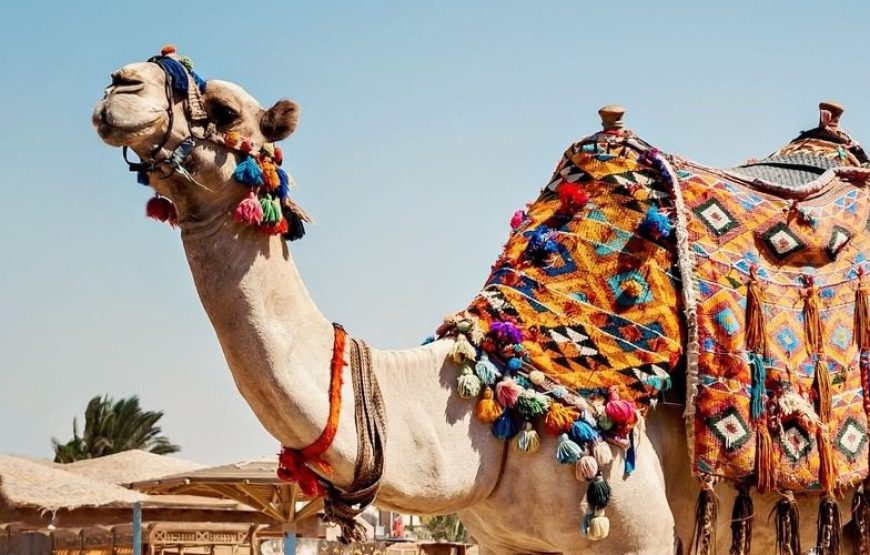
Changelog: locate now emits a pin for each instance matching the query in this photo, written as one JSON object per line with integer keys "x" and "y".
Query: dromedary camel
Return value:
{"x": 439, "y": 458}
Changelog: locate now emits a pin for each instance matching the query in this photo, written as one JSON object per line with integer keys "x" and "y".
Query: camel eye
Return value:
{"x": 222, "y": 114}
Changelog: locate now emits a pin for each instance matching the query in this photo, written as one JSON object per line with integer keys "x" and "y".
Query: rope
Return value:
{"x": 342, "y": 507}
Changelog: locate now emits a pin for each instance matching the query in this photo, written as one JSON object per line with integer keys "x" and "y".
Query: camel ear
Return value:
{"x": 279, "y": 121}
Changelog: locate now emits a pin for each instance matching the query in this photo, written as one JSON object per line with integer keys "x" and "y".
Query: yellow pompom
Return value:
{"x": 537, "y": 377}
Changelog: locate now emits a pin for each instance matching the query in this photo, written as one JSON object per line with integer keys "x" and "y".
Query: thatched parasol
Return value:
{"x": 130, "y": 466}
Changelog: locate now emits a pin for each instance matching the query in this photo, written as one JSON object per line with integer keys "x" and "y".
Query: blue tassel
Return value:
{"x": 567, "y": 452}
{"x": 486, "y": 370}
{"x": 428, "y": 339}
{"x": 582, "y": 432}
{"x": 505, "y": 427}
{"x": 515, "y": 363}
{"x": 655, "y": 224}
{"x": 284, "y": 187}
{"x": 630, "y": 455}
{"x": 759, "y": 376}
{"x": 249, "y": 173}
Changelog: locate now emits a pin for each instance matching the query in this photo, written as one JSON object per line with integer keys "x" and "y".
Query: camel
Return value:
{"x": 278, "y": 346}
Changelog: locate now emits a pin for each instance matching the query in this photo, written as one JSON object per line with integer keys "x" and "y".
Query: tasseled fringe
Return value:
{"x": 741, "y": 523}
{"x": 706, "y": 515}
{"x": 862, "y": 315}
{"x": 487, "y": 409}
{"x": 559, "y": 418}
{"x": 468, "y": 385}
{"x": 596, "y": 526}
{"x": 759, "y": 377}
{"x": 756, "y": 338}
{"x": 827, "y": 470}
{"x": 567, "y": 451}
{"x": 528, "y": 440}
{"x": 765, "y": 462}
{"x": 828, "y": 529}
{"x": 861, "y": 522}
{"x": 788, "y": 538}
{"x": 812, "y": 319}
{"x": 823, "y": 389}
{"x": 462, "y": 350}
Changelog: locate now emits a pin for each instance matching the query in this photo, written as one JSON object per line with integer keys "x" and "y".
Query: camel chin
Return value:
{"x": 122, "y": 125}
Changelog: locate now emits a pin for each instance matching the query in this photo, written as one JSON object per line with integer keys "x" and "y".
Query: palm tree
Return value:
{"x": 111, "y": 427}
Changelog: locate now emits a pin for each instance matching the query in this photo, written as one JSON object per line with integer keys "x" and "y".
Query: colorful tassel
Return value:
{"x": 655, "y": 224}
{"x": 822, "y": 383}
{"x": 506, "y": 332}
{"x": 573, "y": 197}
{"x": 827, "y": 469}
{"x": 765, "y": 460}
{"x": 486, "y": 370}
{"x": 528, "y": 440}
{"x": 504, "y": 428}
{"x": 283, "y": 184}
{"x": 618, "y": 410}
{"x": 862, "y": 313}
{"x": 295, "y": 226}
{"x": 828, "y": 527}
{"x": 567, "y": 451}
{"x": 759, "y": 377}
{"x": 603, "y": 453}
{"x": 514, "y": 364}
{"x": 787, "y": 521}
{"x": 468, "y": 385}
{"x": 249, "y": 211}
{"x": 249, "y": 173}
{"x": 598, "y": 493}
{"x": 812, "y": 319}
{"x": 487, "y": 409}
{"x": 277, "y": 228}
{"x": 531, "y": 404}
{"x": 517, "y": 219}
{"x": 560, "y": 418}
{"x": 586, "y": 468}
{"x": 507, "y": 392}
{"x": 597, "y": 526}
{"x": 706, "y": 515}
{"x": 537, "y": 377}
{"x": 462, "y": 350}
{"x": 756, "y": 335}
{"x": 582, "y": 432}
{"x": 161, "y": 209}
{"x": 742, "y": 516}
{"x": 271, "y": 179}
{"x": 271, "y": 210}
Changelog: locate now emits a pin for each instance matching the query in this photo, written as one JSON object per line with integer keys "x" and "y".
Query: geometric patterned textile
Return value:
{"x": 632, "y": 265}
{"x": 734, "y": 229}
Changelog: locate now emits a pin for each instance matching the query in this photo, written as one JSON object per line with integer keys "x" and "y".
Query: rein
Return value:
{"x": 342, "y": 507}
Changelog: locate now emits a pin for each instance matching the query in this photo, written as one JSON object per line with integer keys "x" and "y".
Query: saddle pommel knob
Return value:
{"x": 611, "y": 117}
{"x": 835, "y": 109}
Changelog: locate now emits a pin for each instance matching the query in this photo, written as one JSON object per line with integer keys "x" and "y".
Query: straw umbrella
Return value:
{"x": 130, "y": 466}
{"x": 254, "y": 483}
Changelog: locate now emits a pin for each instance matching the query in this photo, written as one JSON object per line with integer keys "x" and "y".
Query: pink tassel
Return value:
{"x": 618, "y": 410}
{"x": 507, "y": 392}
{"x": 249, "y": 211}
{"x": 586, "y": 468}
{"x": 518, "y": 218}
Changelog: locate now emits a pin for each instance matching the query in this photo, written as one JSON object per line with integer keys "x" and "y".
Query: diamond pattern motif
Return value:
{"x": 840, "y": 236}
{"x": 852, "y": 438}
{"x": 782, "y": 242}
{"x": 796, "y": 444}
{"x": 730, "y": 428}
{"x": 716, "y": 217}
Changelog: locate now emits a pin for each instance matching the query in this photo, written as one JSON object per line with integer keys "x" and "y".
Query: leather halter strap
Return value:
{"x": 293, "y": 463}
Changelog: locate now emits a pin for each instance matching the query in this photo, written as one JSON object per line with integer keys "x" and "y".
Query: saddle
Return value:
{"x": 634, "y": 267}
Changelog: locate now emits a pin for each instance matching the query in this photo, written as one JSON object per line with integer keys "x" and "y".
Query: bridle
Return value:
{"x": 178, "y": 77}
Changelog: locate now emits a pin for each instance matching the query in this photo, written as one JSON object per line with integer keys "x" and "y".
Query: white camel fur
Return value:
{"x": 440, "y": 458}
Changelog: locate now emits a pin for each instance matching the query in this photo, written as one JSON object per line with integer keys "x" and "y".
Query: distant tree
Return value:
{"x": 112, "y": 427}
{"x": 446, "y": 527}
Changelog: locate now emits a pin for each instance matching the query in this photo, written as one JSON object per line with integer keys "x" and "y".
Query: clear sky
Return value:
{"x": 424, "y": 126}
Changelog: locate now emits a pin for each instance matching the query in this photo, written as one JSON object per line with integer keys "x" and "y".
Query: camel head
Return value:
{"x": 207, "y": 148}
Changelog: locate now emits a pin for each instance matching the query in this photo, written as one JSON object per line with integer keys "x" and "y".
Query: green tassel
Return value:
{"x": 462, "y": 350}
{"x": 598, "y": 493}
{"x": 486, "y": 370}
{"x": 759, "y": 376}
{"x": 469, "y": 384}
{"x": 271, "y": 210}
{"x": 531, "y": 404}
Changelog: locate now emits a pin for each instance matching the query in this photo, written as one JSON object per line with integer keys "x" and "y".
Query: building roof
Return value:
{"x": 130, "y": 466}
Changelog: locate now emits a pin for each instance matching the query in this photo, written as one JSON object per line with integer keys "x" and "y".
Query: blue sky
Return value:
{"x": 424, "y": 126}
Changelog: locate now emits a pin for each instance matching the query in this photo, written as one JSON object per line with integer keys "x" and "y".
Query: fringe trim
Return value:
{"x": 765, "y": 462}
{"x": 706, "y": 515}
{"x": 823, "y": 389}
{"x": 862, "y": 313}
{"x": 756, "y": 338}
{"x": 742, "y": 516}
{"x": 828, "y": 528}
{"x": 827, "y": 470}
{"x": 812, "y": 319}
{"x": 861, "y": 521}
{"x": 788, "y": 538}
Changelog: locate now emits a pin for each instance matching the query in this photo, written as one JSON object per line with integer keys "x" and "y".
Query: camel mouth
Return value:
{"x": 123, "y": 127}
